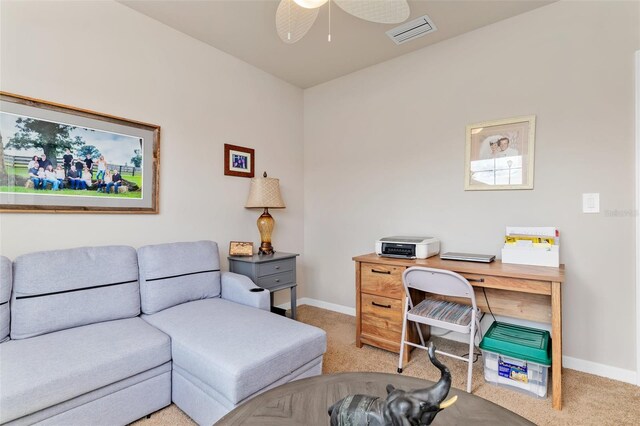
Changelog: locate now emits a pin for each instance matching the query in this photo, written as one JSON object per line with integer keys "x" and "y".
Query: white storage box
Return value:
{"x": 514, "y": 373}
{"x": 531, "y": 256}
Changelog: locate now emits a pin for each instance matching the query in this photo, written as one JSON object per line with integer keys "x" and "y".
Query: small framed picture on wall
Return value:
{"x": 499, "y": 154}
{"x": 239, "y": 161}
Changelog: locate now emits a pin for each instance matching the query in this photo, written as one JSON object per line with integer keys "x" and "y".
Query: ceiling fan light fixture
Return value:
{"x": 310, "y": 4}
{"x": 294, "y": 18}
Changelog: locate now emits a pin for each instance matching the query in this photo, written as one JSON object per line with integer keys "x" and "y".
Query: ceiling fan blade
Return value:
{"x": 293, "y": 21}
{"x": 380, "y": 11}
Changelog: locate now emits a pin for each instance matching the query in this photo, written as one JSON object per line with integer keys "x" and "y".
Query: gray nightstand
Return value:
{"x": 273, "y": 272}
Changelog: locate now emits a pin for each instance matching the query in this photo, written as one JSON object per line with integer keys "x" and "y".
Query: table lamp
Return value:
{"x": 265, "y": 194}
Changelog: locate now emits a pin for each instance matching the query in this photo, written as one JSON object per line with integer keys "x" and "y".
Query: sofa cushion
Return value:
{"x": 5, "y": 295}
{"x": 176, "y": 273}
{"x": 55, "y": 290}
{"x": 49, "y": 369}
{"x": 235, "y": 349}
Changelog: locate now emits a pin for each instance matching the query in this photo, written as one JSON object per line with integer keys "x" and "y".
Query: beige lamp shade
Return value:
{"x": 265, "y": 193}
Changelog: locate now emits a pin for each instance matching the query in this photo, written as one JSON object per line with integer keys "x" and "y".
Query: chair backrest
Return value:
{"x": 437, "y": 281}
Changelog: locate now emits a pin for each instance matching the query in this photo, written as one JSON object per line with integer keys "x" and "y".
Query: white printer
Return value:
{"x": 408, "y": 247}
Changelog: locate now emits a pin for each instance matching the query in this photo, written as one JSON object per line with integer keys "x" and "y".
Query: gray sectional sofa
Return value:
{"x": 107, "y": 335}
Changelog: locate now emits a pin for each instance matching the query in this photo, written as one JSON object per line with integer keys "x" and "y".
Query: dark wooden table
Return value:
{"x": 305, "y": 402}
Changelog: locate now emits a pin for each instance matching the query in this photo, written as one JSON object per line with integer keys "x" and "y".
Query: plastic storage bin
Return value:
{"x": 517, "y": 357}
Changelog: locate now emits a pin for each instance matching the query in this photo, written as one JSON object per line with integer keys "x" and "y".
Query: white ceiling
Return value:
{"x": 246, "y": 30}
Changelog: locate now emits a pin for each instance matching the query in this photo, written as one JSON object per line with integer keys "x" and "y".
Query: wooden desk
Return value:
{"x": 529, "y": 292}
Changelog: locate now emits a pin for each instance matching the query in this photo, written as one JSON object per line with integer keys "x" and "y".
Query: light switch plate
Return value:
{"x": 591, "y": 203}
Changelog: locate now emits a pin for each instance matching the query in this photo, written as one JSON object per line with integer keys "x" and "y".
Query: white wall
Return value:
{"x": 108, "y": 58}
{"x": 384, "y": 154}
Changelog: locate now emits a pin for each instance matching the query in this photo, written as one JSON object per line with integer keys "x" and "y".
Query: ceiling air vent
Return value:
{"x": 412, "y": 29}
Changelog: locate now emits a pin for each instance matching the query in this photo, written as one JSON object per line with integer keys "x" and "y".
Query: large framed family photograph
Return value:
{"x": 58, "y": 158}
{"x": 499, "y": 154}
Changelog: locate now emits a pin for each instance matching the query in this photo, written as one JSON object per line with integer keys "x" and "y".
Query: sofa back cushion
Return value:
{"x": 5, "y": 294}
{"x": 171, "y": 274}
{"x": 56, "y": 290}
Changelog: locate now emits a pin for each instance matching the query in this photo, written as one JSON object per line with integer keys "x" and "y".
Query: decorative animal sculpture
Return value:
{"x": 400, "y": 408}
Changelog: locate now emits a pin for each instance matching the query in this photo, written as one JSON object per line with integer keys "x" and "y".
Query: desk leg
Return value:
{"x": 556, "y": 336}
{"x": 293, "y": 302}
{"x": 271, "y": 298}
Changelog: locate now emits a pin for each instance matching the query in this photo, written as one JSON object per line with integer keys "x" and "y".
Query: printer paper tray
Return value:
{"x": 399, "y": 256}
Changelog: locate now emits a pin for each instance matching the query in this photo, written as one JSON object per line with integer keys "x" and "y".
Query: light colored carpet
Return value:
{"x": 587, "y": 399}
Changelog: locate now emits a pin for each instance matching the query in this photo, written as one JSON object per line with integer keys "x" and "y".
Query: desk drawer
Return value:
{"x": 276, "y": 267}
{"x": 382, "y": 280}
{"x": 381, "y": 317}
{"x": 511, "y": 284}
{"x": 275, "y": 280}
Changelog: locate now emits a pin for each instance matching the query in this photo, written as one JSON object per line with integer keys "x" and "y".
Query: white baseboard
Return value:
{"x": 615, "y": 373}
{"x": 602, "y": 370}
{"x": 321, "y": 304}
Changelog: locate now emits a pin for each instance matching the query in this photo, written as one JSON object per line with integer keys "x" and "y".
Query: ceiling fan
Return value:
{"x": 294, "y": 18}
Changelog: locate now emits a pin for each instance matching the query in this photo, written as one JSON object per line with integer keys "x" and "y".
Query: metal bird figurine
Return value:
{"x": 399, "y": 408}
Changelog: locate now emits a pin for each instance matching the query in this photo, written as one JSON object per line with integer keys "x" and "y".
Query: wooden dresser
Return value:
{"x": 527, "y": 292}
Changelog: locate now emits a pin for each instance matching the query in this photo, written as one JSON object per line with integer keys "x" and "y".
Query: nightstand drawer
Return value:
{"x": 276, "y": 280}
{"x": 278, "y": 267}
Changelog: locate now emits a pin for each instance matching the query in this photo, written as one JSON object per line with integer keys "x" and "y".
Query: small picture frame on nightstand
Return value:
{"x": 240, "y": 248}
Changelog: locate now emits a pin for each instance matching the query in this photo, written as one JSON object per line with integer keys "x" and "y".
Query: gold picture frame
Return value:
{"x": 499, "y": 154}
{"x": 240, "y": 248}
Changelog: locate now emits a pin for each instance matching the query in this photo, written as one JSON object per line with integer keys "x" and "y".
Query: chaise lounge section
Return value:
{"x": 224, "y": 350}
